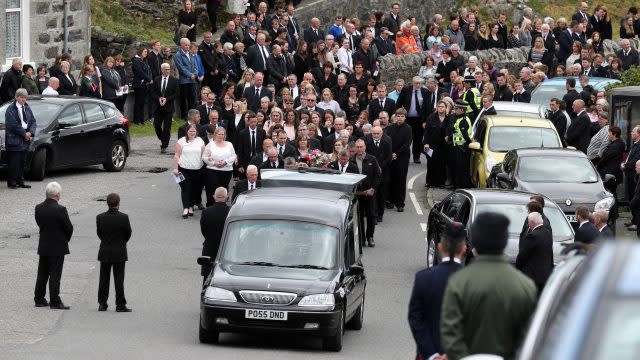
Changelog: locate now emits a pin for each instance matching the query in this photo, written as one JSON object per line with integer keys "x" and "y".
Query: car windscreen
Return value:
{"x": 527, "y": 113}
{"x": 42, "y": 111}
{"x": 557, "y": 169}
{"x": 505, "y": 138}
{"x": 281, "y": 243}
{"x": 543, "y": 94}
{"x": 517, "y": 213}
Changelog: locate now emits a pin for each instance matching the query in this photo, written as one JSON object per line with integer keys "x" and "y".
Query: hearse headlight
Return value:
{"x": 218, "y": 294}
{"x": 318, "y": 300}
{"x": 604, "y": 204}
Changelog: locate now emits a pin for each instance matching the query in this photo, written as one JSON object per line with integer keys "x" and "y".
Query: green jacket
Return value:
{"x": 486, "y": 309}
{"x": 30, "y": 85}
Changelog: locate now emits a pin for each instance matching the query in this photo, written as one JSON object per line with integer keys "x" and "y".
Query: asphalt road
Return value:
{"x": 163, "y": 282}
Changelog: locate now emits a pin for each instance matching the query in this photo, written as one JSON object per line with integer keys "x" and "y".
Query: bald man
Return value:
{"x": 579, "y": 132}
{"x": 211, "y": 225}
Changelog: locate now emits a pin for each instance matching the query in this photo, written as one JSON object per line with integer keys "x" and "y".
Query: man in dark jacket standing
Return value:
{"x": 211, "y": 226}
{"x": 378, "y": 144}
{"x": 367, "y": 165}
{"x": 535, "y": 257}
{"x": 114, "y": 231}
{"x": 428, "y": 289}
{"x": 11, "y": 81}
{"x": 579, "y": 132}
{"x": 401, "y": 137}
{"x": 20, "y": 128}
{"x": 164, "y": 91}
{"x": 53, "y": 245}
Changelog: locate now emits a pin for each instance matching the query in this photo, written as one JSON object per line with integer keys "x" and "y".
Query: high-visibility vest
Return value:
{"x": 477, "y": 98}
{"x": 458, "y": 139}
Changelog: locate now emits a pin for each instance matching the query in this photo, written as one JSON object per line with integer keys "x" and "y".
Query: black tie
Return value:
{"x": 350, "y": 43}
{"x": 164, "y": 85}
{"x": 381, "y": 104}
{"x": 24, "y": 115}
{"x": 253, "y": 143}
{"x": 273, "y": 165}
{"x": 258, "y": 93}
{"x": 264, "y": 56}
{"x": 415, "y": 98}
{"x": 251, "y": 186}
{"x": 377, "y": 143}
{"x": 316, "y": 32}
{"x": 281, "y": 150}
{"x": 433, "y": 100}
{"x": 342, "y": 168}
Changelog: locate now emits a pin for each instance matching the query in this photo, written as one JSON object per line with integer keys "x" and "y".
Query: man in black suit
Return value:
{"x": 628, "y": 55}
{"x": 211, "y": 225}
{"x": 12, "y": 81}
{"x": 229, "y": 35}
{"x": 367, "y": 165}
{"x": 579, "y": 132}
{"x": 548, "y": 39}
{"x": 382, "y": 103}
{"x": 55, "y": 234}
{"x": 535, "y": 255}
{"x": 250, "y": 36}
{"x": 434, "y": 93}
{"x": 164, "y": 91}
{"x": 600, "y": 219}
{"x": 278, "y": 68}
{"x": 502, "y": 28}
{"x": 487, "y": 107}
{"x": 251, "y": 183}
{"x": 207, "y": 108}
{"x": 248, "y": 142}
{"x": 611, "y": 157}
{"x": 193, "y": 117}
{"x": 634, "y": 204}
{"x": 536, "y": 204}
{"x": 629, "y": 168}
{"x": 503, "y": 93}
{"x": 413, "y": 98}
{"x": 285, "y": 149}
{"x": 261, "y": 156}
{"x": 274, "y": 161}
{"x": 565, "y": 43}
{"x": 558, "y": 118}
{"x": 401, "y": 137}
{"x": 587, "y": 233}
{"x": 114, "y": 231}
{"x": 571, "y": 96}
{"x": 378, "y": 144}
{"x": 383, "y": 42}
{"x": 154, "y": 59}
{"x": 521, "y": 94}
{"x": 258, "y": 54}
{"x": 344, "y": 164}
{"x": 20, "y": 128}
{"x": 313, "y": 33}
{"x": 425, "y": 304}
{"x": 209, "y": 59}
{"x": 339, "y": 124}
{"x": 255, "y": 92}
{"x": 392, "y": 19}
{"x": 581, "y": 13}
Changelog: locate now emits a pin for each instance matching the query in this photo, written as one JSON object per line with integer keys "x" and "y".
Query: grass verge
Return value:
{"x": 112, "y": 17}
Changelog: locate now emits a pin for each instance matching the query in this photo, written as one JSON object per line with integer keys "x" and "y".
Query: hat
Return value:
{"x": 460, "y": 104}
{"x": 490, "y": 232}
{"x": 469, "y": 79}
{"x": 455, "y": 230}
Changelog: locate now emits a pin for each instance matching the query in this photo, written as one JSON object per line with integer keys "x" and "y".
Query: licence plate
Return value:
{"x": 571, "y": 218}
{"x": 265, "y": 314}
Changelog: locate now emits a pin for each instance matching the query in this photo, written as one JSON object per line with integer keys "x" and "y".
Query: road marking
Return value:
{"x": 429, "y": 199}
{"x": 424, "y": 227}
{"x": 413, "y": 179}
{"x": 414, "y": 200}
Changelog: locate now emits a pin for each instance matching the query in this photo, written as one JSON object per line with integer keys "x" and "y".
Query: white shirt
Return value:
{"x": 447, "y": 258}
{"x": 49, "y": 91}
{"x": 582, "y": 223}
{"x": 225, "y": 153}
{"x": 22, "y": 120}
{"x": 345, "y": 58}
{"x": 190, "y": 157}
{"x": 250, "y": 185}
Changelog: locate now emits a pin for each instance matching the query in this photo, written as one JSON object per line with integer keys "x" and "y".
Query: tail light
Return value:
{"x": 125, "y": 122}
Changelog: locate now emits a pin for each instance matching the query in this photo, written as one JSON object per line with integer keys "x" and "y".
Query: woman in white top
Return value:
{"x": 188, "y": 161}
{"x": 328, "y": 102}
{"x": 276, "y": 118}
{"x": 219, "y": 157}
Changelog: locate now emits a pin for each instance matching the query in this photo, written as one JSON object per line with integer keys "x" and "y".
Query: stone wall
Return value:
{"x": 47, "y": 30}
{"x": 393, "y": 67}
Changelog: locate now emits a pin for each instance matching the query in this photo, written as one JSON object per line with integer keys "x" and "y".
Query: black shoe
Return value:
{"x": 163, "y": 150}
{"x": 389, "y": 206}
{"x": 24, "y": 186}
{"x": 59, "y": 306}
{"x": 12, "y": 186}
{"x": 379, "y": 219}
{"x": 200, "y": 206}
{"x": 371, "y": 242}
{"x": 103, "y": 307}
{"x": 417, "y": 161}
{"x": 123, "y": 309}
{"x": 400, "y": 208}
{"x": 42, "y": 303}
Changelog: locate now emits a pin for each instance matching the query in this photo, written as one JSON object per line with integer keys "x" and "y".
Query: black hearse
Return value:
{"x": 289, "y": 260}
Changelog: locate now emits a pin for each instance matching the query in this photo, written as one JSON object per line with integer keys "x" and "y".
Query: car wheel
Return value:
{"x": 38, "y": 165}
{"x": 116, "y": 156}
{"x": 432, "y": 252}
{"x": 334, "y": 343}
{"x": 208, "y": 336}
{"x": 358, "y": 318}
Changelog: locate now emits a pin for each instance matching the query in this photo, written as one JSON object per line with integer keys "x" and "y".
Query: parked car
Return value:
{"x": 556, "y": 88}
{"x": 295, "y": 267}
{"x": 494, "y": 135}
{"x": 592, "y": 315}
{"x": 71, "y": 132}
{"x": 464, "y": 205}
{"x": 566, "y": 176}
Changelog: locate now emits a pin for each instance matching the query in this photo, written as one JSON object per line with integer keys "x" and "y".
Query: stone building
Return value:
{"x": 34, "y": 30}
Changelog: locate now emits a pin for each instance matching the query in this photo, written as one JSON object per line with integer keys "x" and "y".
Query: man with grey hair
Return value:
{"x": 52, "y": 89}
{"x": 535, "y": 255}
{"x": 188, "y": 76}
{"x": 627, "y": 55}
{"x": 250, "y": 183}
{"x": 600, "y": 220}
{"x": 11, "y": 81}
{"x": 20, "y": 128}
{"x": 413, "y": 99}
{"x": 367, "y": 164}
{"x": 548, "y": 39}
{"x": 164, "y": 91}
{"x": 211, "y": 225}
{"x": 55, "y": 232}
{"x": 193, "y": 117}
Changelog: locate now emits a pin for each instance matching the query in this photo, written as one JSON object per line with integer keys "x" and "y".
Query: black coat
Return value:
{"x": 114, "y": 231}
{"x": 435, "y": 131}
{"x": 382, "y": 153}
{"x": 632, "y": 157}
{"x": 310, "y": 36}
{"x": 170, "y": 93}
{"x": 243, "y": 185}
{"x": 141, "y": 73}
{"x": 254, "y": 58}
{"x": 253, "y": 101}
{"x": 503, "y": 93}
{"x": 288, "y": 151}
{"x": 524, "y": 97}
{"x": 278, "y": 70}
{"x": 375, "y": 109}
{"x": 352, "y": 168}
{"x": 211, "y": 225}
{"x": 631, "y": 59}
{"x": 406, "y": 96}
{"x": 243, "y": 145}
{"x": 560, "y": 122}
{"x": 579, "y": 132}
{"x": 208, "y": 57}
{"x": 68, "y": 85}
{"x": 55, "y": 228}
{"x": 154, "y": 62}
{"x": 535, "y": 257}
{"x": 267, "y": 164}
{"x": 371, "y": 169}
{"x": 610, "y": 160}
{"x": 11, "y": 81}
{"x": 587, "y": 233}
{"x": 569, "y": 98}
{"x": 401, "y": 137}
{"x": 111, "y": 83}
{"x": 606, "y": 233}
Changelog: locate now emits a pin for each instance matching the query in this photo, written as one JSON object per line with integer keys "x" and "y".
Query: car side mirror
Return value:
{"x": 475, "y": 146}
{"x": 504, "y": 177}
{"x": 356, "y": 270}
{"x": 204, "y": 260}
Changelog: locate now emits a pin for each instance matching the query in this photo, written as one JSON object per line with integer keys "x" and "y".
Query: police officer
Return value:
{"x": 460, "y": 139}
{"x": 428, "y": 290}
{"x": 472, "y": 97}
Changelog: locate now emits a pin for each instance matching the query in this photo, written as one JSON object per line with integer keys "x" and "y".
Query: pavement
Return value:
{"x": 163, "y": 282}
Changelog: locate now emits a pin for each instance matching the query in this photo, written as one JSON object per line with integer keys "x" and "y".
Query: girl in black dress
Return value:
{"x": 436, "y": 130}
{"x": 188, "y": 17}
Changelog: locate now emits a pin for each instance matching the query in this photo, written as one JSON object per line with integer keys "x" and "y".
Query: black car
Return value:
{"x": 566, "y": 176}
{"x": 463, "y": 205}
{"x": 289, "y": 260}
{"x": 72, "y": 131}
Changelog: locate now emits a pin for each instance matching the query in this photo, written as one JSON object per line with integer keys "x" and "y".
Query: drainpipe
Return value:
{"x": 65, "y": 26}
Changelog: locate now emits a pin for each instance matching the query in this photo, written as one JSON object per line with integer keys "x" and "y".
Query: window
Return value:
{"x": 93, "y": 112}
{"x": 109, "y": 111}
{"x": 71, "y": 116}
{"x": 454, "y": 206}
{"x": 17, "y": 30}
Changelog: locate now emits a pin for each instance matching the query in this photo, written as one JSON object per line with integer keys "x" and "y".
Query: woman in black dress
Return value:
{"x": 495, "y": 39}
{"x": 188, "y": 17}
{"x": 436, "y": 130}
